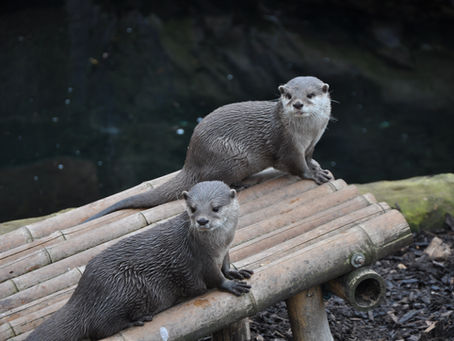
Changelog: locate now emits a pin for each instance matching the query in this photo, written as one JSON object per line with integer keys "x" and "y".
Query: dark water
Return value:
{"x": 98, "y": 96}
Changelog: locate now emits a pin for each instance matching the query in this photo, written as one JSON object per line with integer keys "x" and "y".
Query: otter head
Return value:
{"x": 212, "y": 205}
{"x": 305, "y": 97}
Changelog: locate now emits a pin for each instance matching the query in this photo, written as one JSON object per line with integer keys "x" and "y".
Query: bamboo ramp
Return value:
{"x": 293, "y": 233}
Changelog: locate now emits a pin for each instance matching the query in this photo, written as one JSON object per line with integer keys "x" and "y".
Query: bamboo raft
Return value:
{"x": 294, "y": 234}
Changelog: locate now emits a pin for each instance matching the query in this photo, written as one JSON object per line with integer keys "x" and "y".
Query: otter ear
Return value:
{"x": 282, "y": 89}
{"x": 185, "y": 195}
{"x": 232, "y": 193}
{"x": 325, "y": 87}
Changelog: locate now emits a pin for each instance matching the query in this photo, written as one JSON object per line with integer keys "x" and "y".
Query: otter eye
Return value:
{"x": 192, "y": 209}
{"x": 216, "y": 209}
{"x": 310, "y": 95}
{"x": 288, "y": 96}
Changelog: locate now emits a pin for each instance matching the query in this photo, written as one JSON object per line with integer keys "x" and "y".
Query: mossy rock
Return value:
{"x": 424, "y": 200}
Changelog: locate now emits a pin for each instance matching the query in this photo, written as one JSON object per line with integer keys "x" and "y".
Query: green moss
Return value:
{"x": 424, "y": 201}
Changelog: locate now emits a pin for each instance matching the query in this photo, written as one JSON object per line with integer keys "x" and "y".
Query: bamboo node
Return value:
{"x": 30, "y": 234}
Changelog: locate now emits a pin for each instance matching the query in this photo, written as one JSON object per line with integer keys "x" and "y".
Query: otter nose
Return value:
{"x": 298, "y": 105}
{"x": 202, "y": 221}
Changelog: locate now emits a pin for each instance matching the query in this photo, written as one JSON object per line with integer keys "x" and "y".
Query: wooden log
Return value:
{"x": 26, "y": 323}
{"x": 70, "y": 218}
{"x": 276, "y": 281}
{"x": 307, "y": 316}
{"x": 303, "y": 268}
{"x": 306, "y": 240}
{"x": 276, "y": 243}
{"x": 72, "y": 246}
{"x": 266, "y": 181}
{"x": 117, "y": 224}
{"x": 120, "y": 223}
{"x": 237, "y": 331}
{"x": 118, "y": 229}
{"x": 34, "y": 277}
{"x": 355, "y": 203}
{"x": 40, "y": 229}
{"x": 40, "y": 290}
{"x": 27, "y": 280}
{"x": 283, "y": 193}
{"x": 279, "y": 215}
{"x": 39, "y": 304}
{"x": 423, "y": 200}
{"x": 248, "y": 248}
{"x": 363, "y": 288}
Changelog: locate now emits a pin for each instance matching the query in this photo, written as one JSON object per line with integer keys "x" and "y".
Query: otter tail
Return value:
{"x": 63, "y": 325}
{"x": 168, "y": 191}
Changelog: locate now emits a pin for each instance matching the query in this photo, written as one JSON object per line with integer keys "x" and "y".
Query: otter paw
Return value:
{"x": 238, "y": 274}
{"x": 137, "y": 323}
{"x": 140, "y": 322}
{"x": 236, "y": 288}
{"x": 321, "y": 176}
{"x": 246, "y": 273}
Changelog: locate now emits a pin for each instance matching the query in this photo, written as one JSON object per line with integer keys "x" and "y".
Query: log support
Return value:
{"x": 307, "y": 315}
{"x": 238, "y": 331}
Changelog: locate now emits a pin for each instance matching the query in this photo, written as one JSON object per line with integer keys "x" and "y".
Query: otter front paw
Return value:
{"x": 238, "y": 274}
{"x": 141, "y": 321}
{"x": 321, "y": 176}
{"x": 234, "y": 287}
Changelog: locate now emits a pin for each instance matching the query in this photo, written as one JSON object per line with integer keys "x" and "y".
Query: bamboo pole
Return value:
{"x": 54, "y": 253}
{"x": 29, "y": 279}
{"x": 276, "y": 281}
{"x": 237, "y": 331}
{"x": 301, "y": 268}
{"x": 279, "y": 241}
{"x": 243, "y": 250}
{"x": 278, "y": 215}
{"x": 28, "y": 233}
{"x": 71, "y": 247}
{"x": 363, "y": 288}
{"x": 307, "y": 315}
{"x": 26, "y": 323}
{"x": 70, "y": 218}
{"x": 246, "y": 249}
{"x": 265, "y": 182}
{"x": 120, "y": 223}
{"x": 299, "y": 188}
{"x": 40, "y": 290}
{"x": 37, "y": 305}
{"x": 118, "y": 219}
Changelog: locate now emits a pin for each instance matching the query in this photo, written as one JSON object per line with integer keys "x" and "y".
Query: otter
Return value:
{"x": 129, "y": 282}
{"x": 240, "y": 139}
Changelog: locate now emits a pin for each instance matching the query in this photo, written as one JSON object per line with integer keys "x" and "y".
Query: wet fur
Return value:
{"x": 144, "y": 274}
{"x": 240, "y": 139}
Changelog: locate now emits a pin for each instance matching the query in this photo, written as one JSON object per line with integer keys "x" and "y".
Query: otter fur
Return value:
{"x": 240, "y": 139}
{"x": 129, "y": 282}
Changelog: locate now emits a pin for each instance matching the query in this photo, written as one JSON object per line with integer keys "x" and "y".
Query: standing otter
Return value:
{"x": 144, "y": 274}
{"x": 240, "y": 139}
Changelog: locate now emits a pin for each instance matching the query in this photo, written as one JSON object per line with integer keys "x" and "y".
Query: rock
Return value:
{"x": 437, "y": 249}
{"x": 424, "y": 200}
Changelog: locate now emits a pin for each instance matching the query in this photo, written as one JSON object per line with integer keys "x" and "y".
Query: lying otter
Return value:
{"x": 128, "y": 283}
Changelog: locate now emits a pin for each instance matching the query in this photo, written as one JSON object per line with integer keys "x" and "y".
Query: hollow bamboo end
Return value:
{"x": 363, "y": 288}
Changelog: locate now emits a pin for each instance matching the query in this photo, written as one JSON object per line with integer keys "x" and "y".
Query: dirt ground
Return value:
{"x": 419, "y": 302}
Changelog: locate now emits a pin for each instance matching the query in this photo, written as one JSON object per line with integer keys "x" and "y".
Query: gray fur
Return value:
{"x": 144, "y": 274}
{"x": 240, "y": 139}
